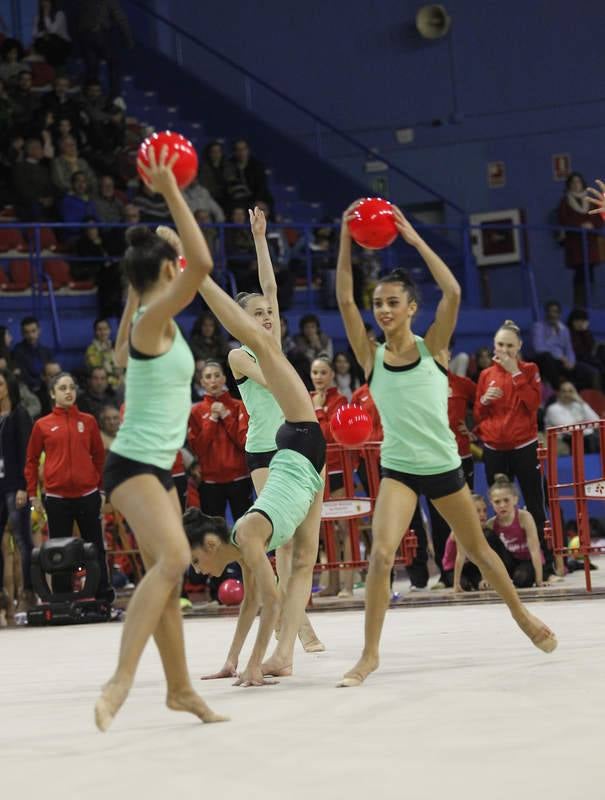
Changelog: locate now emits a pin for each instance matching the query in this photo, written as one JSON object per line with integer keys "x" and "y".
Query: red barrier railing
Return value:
{"x": 578, "y": 492}
{"x": 353, "y": 510}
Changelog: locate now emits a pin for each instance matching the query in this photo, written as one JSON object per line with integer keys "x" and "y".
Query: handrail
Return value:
{"x": 294, "y": 104}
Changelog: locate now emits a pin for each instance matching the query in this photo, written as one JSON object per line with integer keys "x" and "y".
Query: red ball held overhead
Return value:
{"x": 231, "y": 592}
{"x": 373, "y": 223}
{"x": 186, "y": 165}
{"x": 351, "y": 425}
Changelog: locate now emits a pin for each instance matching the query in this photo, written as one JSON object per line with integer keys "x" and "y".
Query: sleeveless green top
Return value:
{"x": 263, "y": 409}
{"x": 286, "y": 497}
{"x": 412, "y": 403}
{"x": 158, "y": 402}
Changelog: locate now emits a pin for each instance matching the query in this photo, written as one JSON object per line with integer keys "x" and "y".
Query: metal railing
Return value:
{"x": 309, "y": 263}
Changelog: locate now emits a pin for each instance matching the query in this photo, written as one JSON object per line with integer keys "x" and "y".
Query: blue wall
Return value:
{"x": 522, "y": 80}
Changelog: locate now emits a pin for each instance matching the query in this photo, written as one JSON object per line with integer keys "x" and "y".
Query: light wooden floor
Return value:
{"x": 462, "y": 707}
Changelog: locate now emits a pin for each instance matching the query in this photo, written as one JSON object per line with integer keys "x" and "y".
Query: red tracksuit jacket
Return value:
{"x": 219, "y": 444}
{"x": 509, "y": 421}
{"x": 461, "y": 394}
{"x": 74, "y": 454}
{"x": 334, "y": 399}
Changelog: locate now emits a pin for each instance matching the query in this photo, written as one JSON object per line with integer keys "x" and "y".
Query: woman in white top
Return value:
{"x": 50, "y": 35}
{"x": 568, "y": 409}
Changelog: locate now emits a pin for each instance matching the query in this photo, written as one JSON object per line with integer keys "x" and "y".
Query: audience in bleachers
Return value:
{"x": 569, "y": 408}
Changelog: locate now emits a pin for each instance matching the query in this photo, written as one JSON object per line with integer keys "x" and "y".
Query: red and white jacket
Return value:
{"x": 74, "y": 452}
{"x": 334, "y": 399}
{"x": 510, "y": 421}
{"x": 461, "y": 395}
{"x": 219, "y": 444}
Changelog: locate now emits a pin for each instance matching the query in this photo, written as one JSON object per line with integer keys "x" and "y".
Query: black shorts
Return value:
{"x": 431, "y": 486}
{"x": 119, "y": 469}
{"x": 336, "y": 481}
{"x": 305, "y": 438}
{"x": 259, "y": 460}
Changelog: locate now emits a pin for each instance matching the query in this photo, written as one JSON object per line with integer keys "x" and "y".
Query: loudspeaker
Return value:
{"x": 433, "y": 21}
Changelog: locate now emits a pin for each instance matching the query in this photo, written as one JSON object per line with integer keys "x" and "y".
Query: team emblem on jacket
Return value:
{"x": 80, "y": 426}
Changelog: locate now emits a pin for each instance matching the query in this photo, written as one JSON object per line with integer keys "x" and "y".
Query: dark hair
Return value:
{"x": 196, "y": 330}
{"x": 29, "y": 321}
{"x": 209, "y": 147}
{"x": 11, "y": 44}
{"x": 550, "y": 303}
{"x": 570, "y": 178}
{"x": 56, "y": 378}
{"x": 4, "y": 351}
{"x": 99, "y": 320}
{"x": 75, "y": 175}
{"x": 12, "y": 385}
{"x": 577, "y": 314}
{"x": 198, "y": 525}
{"x": 243, "y": 298}
{"x": 407, "y": 283}
{"x": 308, "y": 318}
{"x": 144, "y": 256}
{"x": 213, "y": 362}
{"x": 95, "y": 369}
{"x": 326, "y": 359}
{"x": 344, "y": 355}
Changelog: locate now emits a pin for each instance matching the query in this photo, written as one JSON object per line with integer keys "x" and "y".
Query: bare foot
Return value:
{"x": 189, "y": 700}
{"x": 309, "y": 640}
{"x": 539, "y": 633}
{"x": 276, "y": 667}
{"x": 356, "y": 676}
{"x": 112, "y": 697}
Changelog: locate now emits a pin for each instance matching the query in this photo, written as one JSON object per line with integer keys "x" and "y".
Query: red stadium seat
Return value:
{"x": 42, "y": 74}
{"x": 48, "y": 240}
{"x": 58, "y": 271}
{"x": 16, "y": 277}
{"x": 11, "y": 239}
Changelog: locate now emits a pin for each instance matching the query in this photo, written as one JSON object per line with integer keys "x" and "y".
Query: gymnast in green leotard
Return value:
{"x": 288, "y": 506}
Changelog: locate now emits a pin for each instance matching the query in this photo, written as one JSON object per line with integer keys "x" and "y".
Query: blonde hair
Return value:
{"x": 510, "y": 325}
{"x": 502, "y": 481}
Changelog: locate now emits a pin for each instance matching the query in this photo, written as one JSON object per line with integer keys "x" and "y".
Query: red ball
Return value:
{"x": 231, "y": 592}
{"x": 186, "y": 165}
{"x": 351, "y": 426}
{"x": 373, "y": 223}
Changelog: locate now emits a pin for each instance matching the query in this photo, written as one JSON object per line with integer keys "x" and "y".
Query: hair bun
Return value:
{"x": 139, "y": 236}
{"x": 501, "y": 477}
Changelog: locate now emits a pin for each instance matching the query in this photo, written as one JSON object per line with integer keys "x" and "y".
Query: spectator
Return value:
{"x": 109, "y": 422}
{"x": 554, "y": 354}
{"x": 7, "y": 114}
{"x": 6, "y": 339}
{"x": 505, "y": 411}
{"x": 481, "y": 359}
{"x": 199, "y": 199}
{"x": 29, "y": 355}
{"x": 250, "y": 179}
{"x": 569, "y": 408}
{"x": 216, "y": 173}
{"x": 132, "y": 214}
{"x": 202, "y": 218}
{"x": 459, "y": 363}
{"x": 197, "y": 385}
{"x": 63, "y": 127}
{"x": 73, "y": 474}
{"x": 95, "y": 25}
{"x": 15, "y": 429}
{"x": 26, "y": 101}
{"x": 63, "y": 106}
{"x": 77, "y": 206}
{"x": 151, "y": 205}
{"x": 49, "y": 372}
{"x": 98, "y": 393}
{"x": 216, "y": 436}
{"x": 207, "y": 341}
{"x": 104, "y": 121}
{"x": 50, "y": 36}
{"x": 344, "y": 378}
{"x": 240, "y": 252}
{"x": 100, "y": 353}
{"x": 587, "y": 350}
{"x": 110, "y": 208}
{"x": 90, "y": 246}
{"x": 326, "y": 401}
{"x": 33, "y": 185}
{"x": 513, "y": 535}
{"x": 294, "y": 354}
{"x": 573, "y": 212}
{"x": 67, "y": 164}
{"x": 11, "y": 62}
{"x": 46, "y": 134}
{"x": 311, "y": 340}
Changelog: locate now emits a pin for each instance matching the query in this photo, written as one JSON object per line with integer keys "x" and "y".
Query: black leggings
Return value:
{"x": 440, "y": 530}
{"x": 522, "y": 464}
{"x": 522, "y": 572}
{"x": 62, "y": 512}
{"x": 213, "y": 500}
